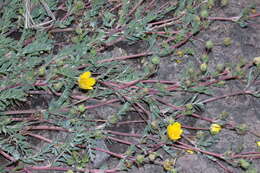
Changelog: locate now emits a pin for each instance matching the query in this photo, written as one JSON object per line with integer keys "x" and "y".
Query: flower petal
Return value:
{"x": 215, "y": 128}
{"x": 91, "y": 81}
{"x": 174, "y": 131}
{"x": 85, "y": 75}
{"x": 82, "y": 83}
{"x": 86, "y": 83}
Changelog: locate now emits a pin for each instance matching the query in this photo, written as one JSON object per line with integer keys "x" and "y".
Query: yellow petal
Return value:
{"x": 258, "y": 143}
{"x": 91, "y": 81}
{"x": 190, "y": 151}
{"x": 82, "y": 83}
{"x": 176, "y": 125}
{"x": 174, "y": 131}
{"x": 86, "y": 83}
{"x": 215, "y": 129}
{"x": 256, "y": 60}
{"x": 85, "y": 75}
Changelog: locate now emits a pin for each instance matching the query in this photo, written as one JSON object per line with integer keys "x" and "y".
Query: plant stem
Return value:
{"x": 7, "y": 156}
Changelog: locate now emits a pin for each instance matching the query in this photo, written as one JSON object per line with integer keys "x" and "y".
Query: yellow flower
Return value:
{"x": 258, "y": 143}
{"x": 180, "y": 53}
{"x": 215, "y": 129}
{"x": 174, "y": 131}
{"x": 85, "y": 81}
{"x": 168, "y": 164}
{"x": 178, "y": 61}
{"x": 256, "y": 60}
{"x": 190, "y": 151}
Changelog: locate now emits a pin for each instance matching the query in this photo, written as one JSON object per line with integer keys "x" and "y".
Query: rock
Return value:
{"x": 101, "y": 157}
{"x": 193, "y": 163}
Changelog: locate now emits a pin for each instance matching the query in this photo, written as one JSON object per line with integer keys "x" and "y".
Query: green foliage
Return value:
{"x": 8, "y": 96}
{"x": 39, "y": 46}
{"x": 207, "y": 141}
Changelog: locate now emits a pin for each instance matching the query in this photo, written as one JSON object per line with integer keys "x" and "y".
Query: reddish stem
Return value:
{"x": 125, "y": 57}
{"x": 246, "y": 153}
{"x": 128, "y": 122}
{"x": 189, "y": 35}
{"x": 234, "y": 19}
{"x": 254, "y": 15}
{"x": 34, "y": 111}
{"x": 120, "y": 140}
{"x": 217, "y": 80}
{"x": 25, "y": 119}
{"x": 46, "y": 128}
{"x": 163, "y": 32}
{"x": 30, "y": 111}
{"x": 40, "y": 137}
{"x": 157, "y": 146}
{"x": 194, "y": 128}
{"x": 167, "y": 20}
{"x": 49, "y": 168}
{"x": 226, "y": 95}
{"x": 252, "y": 156}
{"x": 121, "y": 156}
{"x": 102, "y": 104}
{"x": 7, "y": 156}
{"x": 159, "y": 81}
{"x": 223, "y": 167}
{"x": 178, "y": 108}
{"x": 124, "y": 134}
{"x": 203, "y": 118}
{"x": 187, "y": 147}
{"x": 135, "y": 7}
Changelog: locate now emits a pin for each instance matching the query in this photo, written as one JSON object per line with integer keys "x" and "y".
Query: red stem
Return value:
{"x": 223, "y": 167}
{"x": 46, "y": 128}
{"x": 194, "y": 128}
{"x": 178, "y": 108}
{"x": 120, "y": 140}
{"x": 203, "y": 118}
{"x": 102, "y": 104}
{"x": 40, "y": 137}
{"x": 187, "y": 147}
{"x": 7, "y": 156}
{"x": 124, "y": 134}
{"x": 226, "y": 95}
{"x": 121, "y": 156}
{"x": 125, "y": 57}
{"x": 49, "y": 168}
